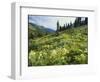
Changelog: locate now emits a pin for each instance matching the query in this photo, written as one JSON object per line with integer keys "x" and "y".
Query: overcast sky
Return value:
{"x": 50, "y": 21}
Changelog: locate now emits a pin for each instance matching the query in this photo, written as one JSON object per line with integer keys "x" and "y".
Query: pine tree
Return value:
{"x": 86, "y": 20}
{"x": 79, "y": 21}
{"x": 58, "y": 26}
{"x": 75, "y": 23}
{"x": 66, "y": 25}
{"x": 71, "y": 24}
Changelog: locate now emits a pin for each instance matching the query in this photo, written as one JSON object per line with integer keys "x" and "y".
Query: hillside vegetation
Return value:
{"x": 62, "y": 48}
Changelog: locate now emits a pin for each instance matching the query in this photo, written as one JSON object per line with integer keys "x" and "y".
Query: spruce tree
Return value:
{"x": 86, "y": 20}
{"x": 58, "y": 26}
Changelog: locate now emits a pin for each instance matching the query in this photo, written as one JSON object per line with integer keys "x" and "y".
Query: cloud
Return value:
{"x": 50, "y": 21}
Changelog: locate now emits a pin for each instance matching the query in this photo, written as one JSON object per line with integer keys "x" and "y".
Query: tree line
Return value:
{"x": 78, "y": 22}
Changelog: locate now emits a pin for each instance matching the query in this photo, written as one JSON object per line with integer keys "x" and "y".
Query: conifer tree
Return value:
{"x": 58, "y": 26}
{"x": 86, "y": 20}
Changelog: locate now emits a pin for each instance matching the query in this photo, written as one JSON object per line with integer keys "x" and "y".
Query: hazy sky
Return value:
{"x": 50, "y": 21}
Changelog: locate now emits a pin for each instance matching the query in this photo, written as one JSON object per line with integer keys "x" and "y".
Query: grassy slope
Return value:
{"x": 68, "y": 47}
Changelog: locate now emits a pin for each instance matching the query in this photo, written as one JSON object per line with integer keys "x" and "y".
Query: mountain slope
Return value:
{"x": 68, "y": 47}
{"x": 37, "y": 31}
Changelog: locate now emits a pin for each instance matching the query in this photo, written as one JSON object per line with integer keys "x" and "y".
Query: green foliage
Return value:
{"x": 69, "y": 47}
{"x": 35, "y": 31}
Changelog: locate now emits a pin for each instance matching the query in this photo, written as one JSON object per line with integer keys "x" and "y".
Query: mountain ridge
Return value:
{"x": 39, "y": 27}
